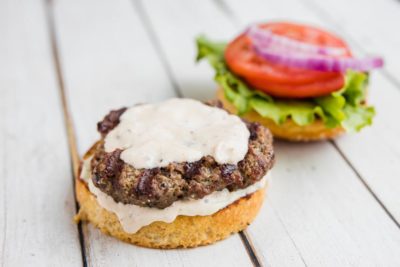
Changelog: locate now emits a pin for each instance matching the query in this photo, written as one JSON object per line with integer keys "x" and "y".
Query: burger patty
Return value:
{"x": 160, "y": 187}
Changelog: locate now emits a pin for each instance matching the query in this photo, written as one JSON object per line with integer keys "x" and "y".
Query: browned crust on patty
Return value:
{"x": 183, "y": 232}
{"x": 160, "y": 187}
{"x": 110, "y": 121}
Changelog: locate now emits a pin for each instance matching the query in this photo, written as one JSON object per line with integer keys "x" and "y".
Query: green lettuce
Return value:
{"x": 344, "y": 107}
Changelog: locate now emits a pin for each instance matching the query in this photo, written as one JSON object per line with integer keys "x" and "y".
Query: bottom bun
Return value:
{"x": 184, "y": 231}
{"x": 288, "y": 130}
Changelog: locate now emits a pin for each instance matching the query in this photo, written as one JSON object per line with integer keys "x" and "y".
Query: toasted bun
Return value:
{"x": 287, "y": 130}
{"x": 185, "y": 231}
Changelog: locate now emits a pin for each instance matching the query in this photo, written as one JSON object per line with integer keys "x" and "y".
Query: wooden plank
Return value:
{"x": 376, "y": 152}
{"x": 372, "y": 35}
{"x": 36, "y": 196}
{"x": 381, "y": 176}
{"x": 111, "y": 62}
{"x": 106, "y": 250}
{"x": 186, "y": 20}
{"x": 318, "y": 209}
{"x": 330, "y": 216}
{"x": 105, "y": 63}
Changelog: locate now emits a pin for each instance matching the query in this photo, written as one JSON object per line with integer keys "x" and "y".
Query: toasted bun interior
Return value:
{"x": 287, "y": 130}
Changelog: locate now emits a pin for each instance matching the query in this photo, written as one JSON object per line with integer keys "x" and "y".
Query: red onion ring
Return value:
{"x": 315, "y": 62}
{"x": 289, "y": 52}
{"x": 267, "y": 38}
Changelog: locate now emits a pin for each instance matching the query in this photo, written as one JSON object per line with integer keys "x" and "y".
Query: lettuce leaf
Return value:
{"x": 344, "y": 107}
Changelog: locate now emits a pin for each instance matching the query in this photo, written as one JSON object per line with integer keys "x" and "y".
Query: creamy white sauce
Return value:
{"x": 86, "y": 172}
{"x": 177, "y": 130}
{"x": 133, "y": 217}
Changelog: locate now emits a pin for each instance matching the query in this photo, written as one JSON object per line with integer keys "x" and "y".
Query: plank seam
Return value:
{"x": 3, "y": 245}
{"x": 138, "y": 7}
{"x": 245, "y": 237}
{"x": 251, "y": 251}
{"x": 318, "y": 10}
{"x": 69, "y": 127}
{"x": 366, "y": 185}
{"x": 224, "y": 8}
{"x": 324, "y": 15}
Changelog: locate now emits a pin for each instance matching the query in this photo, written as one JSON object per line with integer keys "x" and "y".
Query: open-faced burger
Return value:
{"x": 179, "y": 173}
{"x": 302, "y": 82}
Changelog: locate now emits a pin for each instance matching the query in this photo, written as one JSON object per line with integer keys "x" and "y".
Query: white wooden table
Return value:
{"x": 65, "y": 63}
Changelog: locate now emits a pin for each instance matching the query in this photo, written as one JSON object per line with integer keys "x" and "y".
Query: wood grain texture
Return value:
{"x": 374, "y": 152}
{"x": 106, "y": 250}
{"x": 374, "y": 158}
{"x": 331, "y": 218}
{"x": 112, "y": 62}
{"x": 186, "y": 20}
{"x": 379, "y": 161}
{"x": 36, "y": 197}
{"x": 105, "y": 65}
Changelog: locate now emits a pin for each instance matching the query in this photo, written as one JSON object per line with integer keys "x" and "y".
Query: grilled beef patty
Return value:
{"x": 160, "y": 187}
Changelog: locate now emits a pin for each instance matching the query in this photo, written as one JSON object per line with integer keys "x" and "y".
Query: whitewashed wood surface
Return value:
{"x": 330, "y": 203}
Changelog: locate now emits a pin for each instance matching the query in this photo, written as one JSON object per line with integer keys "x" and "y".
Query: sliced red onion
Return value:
{"x": 267, "y": 38}
{"x": 318, "y": 62}
{"x": 289, "y": 52}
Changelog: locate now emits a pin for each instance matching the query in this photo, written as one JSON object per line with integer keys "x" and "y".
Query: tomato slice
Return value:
{"x": 313, "y": 89}
{"x": 280, "y": 80}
